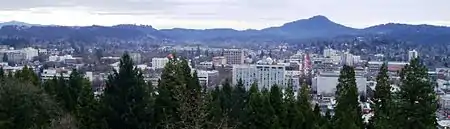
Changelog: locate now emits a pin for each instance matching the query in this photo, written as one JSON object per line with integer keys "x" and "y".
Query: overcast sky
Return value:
{"x": 238, "y": 14}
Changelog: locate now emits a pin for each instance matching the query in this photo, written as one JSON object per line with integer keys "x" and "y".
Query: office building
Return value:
{"x": 208, "y": 78}
{"x": 15, "y": 56}
{"x": 328, "y": 53}
{"x": 51, "y": 73}
{"x": 30, "y": 53}
{"x": 325, "y": 83}
{"x": 412, "y": 55}
{"x": 264, "y": 75}
{"x": 136, "y": 57}
{"x": 159, "y": 63}
{"x": 347, "y": 59}
{"x": 219, "y": 60}
{"x": 234, "y": 56}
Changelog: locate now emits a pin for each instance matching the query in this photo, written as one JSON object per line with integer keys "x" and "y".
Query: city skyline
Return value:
{"x": 236, "y": 14}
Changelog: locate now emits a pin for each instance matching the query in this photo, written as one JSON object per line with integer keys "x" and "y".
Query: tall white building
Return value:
{"x": 328, "y": 53}
{"x": 356, "y": 59}
{"x": 264, "y": 75}
{"x": 332, "y": 54}
{"x": 412, "y": 55}
{"x": 347, "y": 59}
{"x": 159, "y": 63}
{"x": 234, "y": 56}
{"x": 136, "y": 57}
{"x": 30, "y": 53}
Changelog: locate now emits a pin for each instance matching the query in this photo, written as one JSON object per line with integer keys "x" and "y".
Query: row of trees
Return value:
{"x": 180, "y": 102}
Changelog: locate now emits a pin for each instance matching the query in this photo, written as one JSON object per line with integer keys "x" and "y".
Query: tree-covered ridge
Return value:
{"x": 180, "y": 102}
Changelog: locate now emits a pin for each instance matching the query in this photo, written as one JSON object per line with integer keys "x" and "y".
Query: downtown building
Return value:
{"x": 234, "y": 56}
{"x": 325, "y": 83}
{"x": 265, "y": 75}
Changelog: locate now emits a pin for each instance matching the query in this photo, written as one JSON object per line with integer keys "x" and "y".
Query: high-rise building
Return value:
{"x": 328, "y": 53}
{"x": 30, "y": 53}
{"x": 136, "y": 57}
{"x": 264, "y": 75}
{"x": 412, "y": 55}
{"x": 159, "y": 63}
{"x": 356, "y": 59}
{"x": 234, "y": 56}
{"x": 333, "y": 55}
{"x": 347, "y": 59}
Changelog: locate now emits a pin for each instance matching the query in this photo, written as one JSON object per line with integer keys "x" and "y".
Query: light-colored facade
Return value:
{"x": 30, "y": 53}
{"x": 16, "y": 56}
{"x": 412, "y": 55}
{"x": 159, "y": 63}
{"x": 206, "y": 77}
{"x": 357, "y": 59}
{"x": 264, "y": 75}
{"x": 219, "y": 60}
{"x": 333, "y": 55}
{"x": 50, "y": 73}
{"x": 205, "y": 64}
{"x": 347, "y": 59}
{"x": 326, "y": 82}
{"x": 328, "y": 53}
{"x": 136, "y": 57}
{"x": 234, "y": 56}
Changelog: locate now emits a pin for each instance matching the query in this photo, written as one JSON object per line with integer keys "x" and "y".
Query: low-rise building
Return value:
{"x": 219, "y": 61}
{"x": 207, "y": 78}
{"x": 55, "y": 72}
{"x": 325, "y": 83}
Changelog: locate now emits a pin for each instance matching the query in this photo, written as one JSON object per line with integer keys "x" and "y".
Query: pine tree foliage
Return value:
{"x": 347, "y": 111}
{"x": 126, "y": 98}
{"x": 383, "y": 101}
{"x": 180, "y": 102}
{"x": 417, "y": 105}
{"x": 24, "y": 106}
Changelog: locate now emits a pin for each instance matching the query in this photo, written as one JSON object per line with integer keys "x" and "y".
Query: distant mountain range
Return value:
{"x": 314, "y": 27}
{"x": 16, "y": 23}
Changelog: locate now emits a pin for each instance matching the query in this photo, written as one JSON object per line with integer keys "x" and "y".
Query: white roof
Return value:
{"x": 445, "y": 123}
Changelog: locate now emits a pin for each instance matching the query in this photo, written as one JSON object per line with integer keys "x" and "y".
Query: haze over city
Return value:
{"x": 237, "y": 14}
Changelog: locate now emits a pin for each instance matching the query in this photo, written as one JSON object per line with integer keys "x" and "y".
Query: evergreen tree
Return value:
{"x": 27, "y": 75}
{"x": 126, "y": 98}
{"x": 5, "y": 57}
{"x": 294, "y": 114}
{"x": 383, "y": 101}
{"x": 266, "y": 112}
{"x": 417, "y": 104}
{"x": 276, "y": 101}
{"x": 217, "y": 119}
{"x": 347, "y": 111}
{"x": 2, "y": 73}
{"x": 255, "y": 118}
{"x": 226, "y": 98}
{"x": 86, "y": 110}
{"x": 304, "y": 104}
{"x": 239, "y": 97}
{"x": 24, "y": 106}
{"x": 166, "y": 102}
{"x": 193, "y": 105}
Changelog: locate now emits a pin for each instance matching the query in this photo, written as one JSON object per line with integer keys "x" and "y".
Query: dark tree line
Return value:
{"x": 180, "y": 102}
